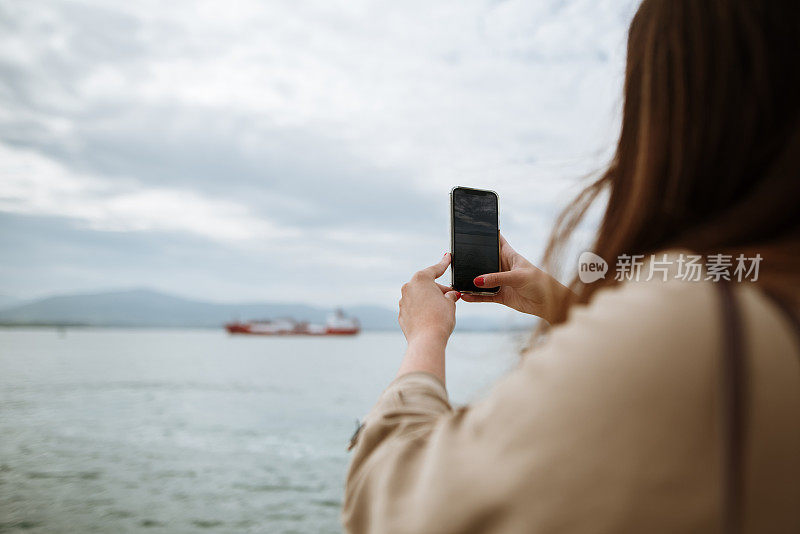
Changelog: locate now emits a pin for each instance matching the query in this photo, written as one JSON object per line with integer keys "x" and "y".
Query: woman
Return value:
{"x": 651, "y": 406}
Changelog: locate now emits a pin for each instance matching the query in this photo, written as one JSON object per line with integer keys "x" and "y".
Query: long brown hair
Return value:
{"x": 708, "y": 157}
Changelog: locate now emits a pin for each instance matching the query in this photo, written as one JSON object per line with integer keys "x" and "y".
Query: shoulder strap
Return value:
{"x": 788, "y": 311}
{"x": 734, "y": 392}
{"x": 734, "y": 402}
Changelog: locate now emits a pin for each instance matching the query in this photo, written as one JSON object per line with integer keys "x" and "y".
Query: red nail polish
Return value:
{"x": 478, "y": 281}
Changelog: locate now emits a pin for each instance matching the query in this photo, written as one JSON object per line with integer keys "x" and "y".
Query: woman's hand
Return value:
{"x": 427, "y": 317}
{"x": 428, "y": 309}
{"x": 523, "y": 286}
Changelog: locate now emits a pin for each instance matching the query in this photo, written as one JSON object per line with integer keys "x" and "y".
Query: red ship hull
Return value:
{"x": 247, "y": 329}
{"x": 341, "y": 331}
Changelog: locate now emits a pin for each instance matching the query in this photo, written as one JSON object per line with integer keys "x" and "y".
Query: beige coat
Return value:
{"x": 613, "y": 425}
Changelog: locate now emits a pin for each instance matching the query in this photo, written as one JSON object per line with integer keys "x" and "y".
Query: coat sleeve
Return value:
{"x": 571, "y": 440}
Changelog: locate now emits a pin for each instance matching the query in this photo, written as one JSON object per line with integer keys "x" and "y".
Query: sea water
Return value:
{"x": 105, "y": 430}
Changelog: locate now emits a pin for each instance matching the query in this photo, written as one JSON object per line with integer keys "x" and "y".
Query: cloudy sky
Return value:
{"x": 288, "y": 151}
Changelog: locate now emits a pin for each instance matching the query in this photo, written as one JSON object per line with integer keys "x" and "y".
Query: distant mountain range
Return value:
{"x": 6, "y": 301}
{"x": 148, "y": 308}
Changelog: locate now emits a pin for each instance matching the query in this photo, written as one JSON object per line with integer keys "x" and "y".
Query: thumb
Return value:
{"x": 514, "y": 278}
{"x": 452, "y": 295}
{"x": 438, "y": 270}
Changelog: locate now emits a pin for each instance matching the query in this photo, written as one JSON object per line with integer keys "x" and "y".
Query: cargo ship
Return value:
{"x": 337, "y": 324}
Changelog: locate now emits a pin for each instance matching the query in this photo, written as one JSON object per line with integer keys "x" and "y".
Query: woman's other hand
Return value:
{"x": 523, "y": 286}
{"x": 428, "y": 309}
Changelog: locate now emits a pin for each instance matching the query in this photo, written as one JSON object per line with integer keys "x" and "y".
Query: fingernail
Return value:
{"x": 478, "y": 281}
{"x": 458, "y": 295}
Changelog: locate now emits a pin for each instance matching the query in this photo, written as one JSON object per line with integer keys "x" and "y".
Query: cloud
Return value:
{"x": 36, "y": 185}
{"x": 328, "y": 133}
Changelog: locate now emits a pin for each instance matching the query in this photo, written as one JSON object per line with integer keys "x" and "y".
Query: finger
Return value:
{"x": 452, "y": 295}
{"x": 504, "y": 245}
{"x": 445, "y": 289}
{"x": 507, "y": 254}
{"x": 515, "y": 278}
{"x": 438, "y": 269}
{"x": 480, "y": 298}
{"x": 503, "y": 242}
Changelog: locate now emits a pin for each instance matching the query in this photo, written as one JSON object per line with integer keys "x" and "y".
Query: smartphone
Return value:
{"x": 474, "y": 238}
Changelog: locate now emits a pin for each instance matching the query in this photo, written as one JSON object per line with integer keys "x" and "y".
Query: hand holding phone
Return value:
{"x": 524, "y": 287}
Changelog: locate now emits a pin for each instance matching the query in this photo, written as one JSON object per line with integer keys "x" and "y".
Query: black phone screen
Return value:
{"x": 475, "y": 239}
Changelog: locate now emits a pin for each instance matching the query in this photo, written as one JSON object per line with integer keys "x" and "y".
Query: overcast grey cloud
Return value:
{"x": 292, "y": 151}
